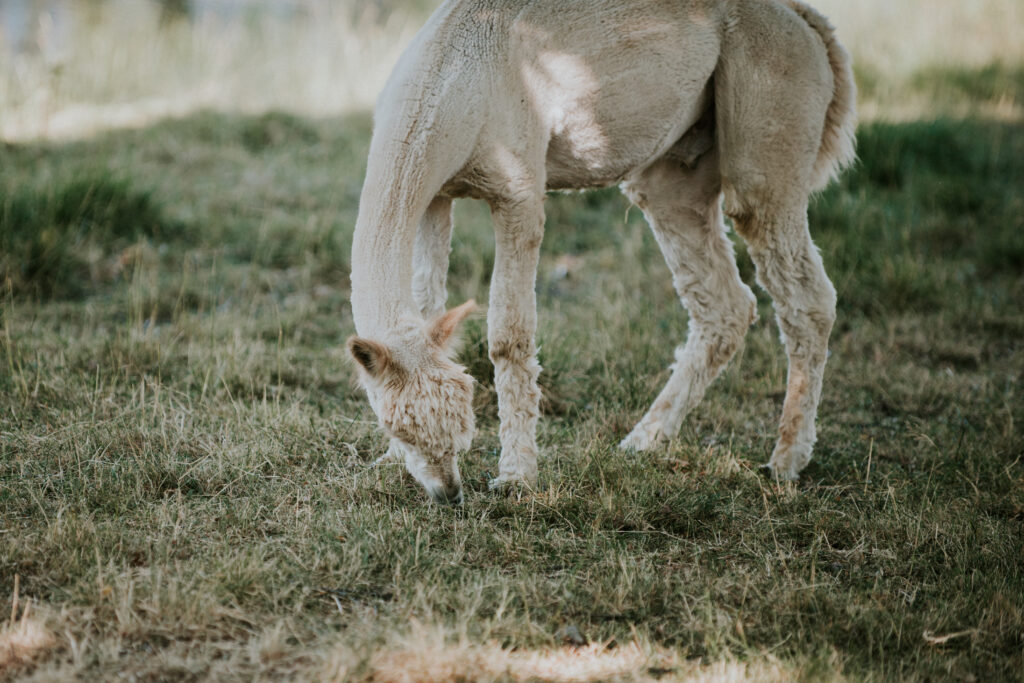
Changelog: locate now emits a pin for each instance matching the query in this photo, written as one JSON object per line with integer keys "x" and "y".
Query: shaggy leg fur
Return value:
{"x": 776, "y": 117}
{"x": 789, "y": 267}
{"x": 430, "y": 258}
{"x": 682, "y": 207}
{"x": 511, "y": 336}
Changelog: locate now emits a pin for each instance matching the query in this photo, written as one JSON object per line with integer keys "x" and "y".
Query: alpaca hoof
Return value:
{"x": 507, "y": 484}
{"x": 641, "y": 439}
{"x": 393, "y": 454}
{"x": 776, "y": 473}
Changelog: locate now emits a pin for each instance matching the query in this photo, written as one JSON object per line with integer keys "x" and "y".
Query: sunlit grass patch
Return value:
{"x": 898, "y": 39}
{"x": 428, "y": 654}
{"x": 24, "y": 637}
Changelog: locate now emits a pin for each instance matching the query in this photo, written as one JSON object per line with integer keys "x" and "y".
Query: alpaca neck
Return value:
{"x": 381, "y": 275}
{"x": 403, "y": 176}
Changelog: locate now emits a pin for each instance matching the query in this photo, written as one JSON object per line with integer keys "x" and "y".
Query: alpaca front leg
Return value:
{"x": 511, "y": 336}
{"x": 430, "y": 258}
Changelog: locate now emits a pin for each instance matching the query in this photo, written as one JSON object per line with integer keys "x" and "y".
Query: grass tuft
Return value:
{"x": 60, "y": 240}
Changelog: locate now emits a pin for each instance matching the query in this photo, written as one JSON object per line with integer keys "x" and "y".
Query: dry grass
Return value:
{"x": 185, "y": 462}
{"x": 23, "y": 637}
{"x": 22, "y": 641}
{"x": 430, "y": 655}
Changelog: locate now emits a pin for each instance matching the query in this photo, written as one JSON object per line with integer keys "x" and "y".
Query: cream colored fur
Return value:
{"x": 682, "y": 103}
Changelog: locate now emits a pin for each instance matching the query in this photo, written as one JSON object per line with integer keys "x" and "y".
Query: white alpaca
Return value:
{"x": 680, "y": 102}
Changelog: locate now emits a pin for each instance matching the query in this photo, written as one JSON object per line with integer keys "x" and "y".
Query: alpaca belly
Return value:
{"x": 570, "y": 167}
{"x": 603, "y": 150}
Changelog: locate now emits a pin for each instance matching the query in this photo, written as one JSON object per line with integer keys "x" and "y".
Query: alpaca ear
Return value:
{"x": 443, "y": 326}
{"x": 373, "y": 356}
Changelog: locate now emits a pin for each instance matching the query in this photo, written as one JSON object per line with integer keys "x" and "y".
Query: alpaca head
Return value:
{"x": 422, "y": 398}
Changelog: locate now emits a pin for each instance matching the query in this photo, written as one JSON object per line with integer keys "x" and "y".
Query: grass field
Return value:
{"x": 186, "y": 489}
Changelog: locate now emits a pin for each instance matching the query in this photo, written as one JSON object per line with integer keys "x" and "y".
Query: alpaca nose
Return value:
{"x": 447, "y": 495}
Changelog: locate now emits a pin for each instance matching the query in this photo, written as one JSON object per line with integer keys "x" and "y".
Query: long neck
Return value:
{"x": 381, "y": 270}
{"x": 390, "y": 207}
{"x": 420, "y": 139}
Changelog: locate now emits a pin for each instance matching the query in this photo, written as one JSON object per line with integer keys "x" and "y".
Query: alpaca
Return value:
{"x": 692, "y": 107}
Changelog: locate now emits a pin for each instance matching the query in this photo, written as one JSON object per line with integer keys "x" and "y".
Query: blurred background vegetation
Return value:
{"x": 76, "y": 66}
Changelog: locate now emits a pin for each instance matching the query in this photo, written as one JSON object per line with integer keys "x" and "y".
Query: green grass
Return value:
{"x": 59, "y": 240}
{"x": 185, "y": 489}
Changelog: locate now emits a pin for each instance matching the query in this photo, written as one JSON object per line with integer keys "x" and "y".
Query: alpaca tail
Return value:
{"x": 838, "y": 138}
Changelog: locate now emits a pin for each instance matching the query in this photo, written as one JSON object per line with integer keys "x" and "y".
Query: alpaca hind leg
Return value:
{"x": 511, "y": 335}
{"x": 769, "y": 127}
{"x": 682, "y": 207}
{"x": 430, "y": 258}
{"x": 790, "y": 269}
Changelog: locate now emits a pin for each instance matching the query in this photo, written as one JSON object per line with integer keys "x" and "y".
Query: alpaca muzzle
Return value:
{"x": 446, "y": 495}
